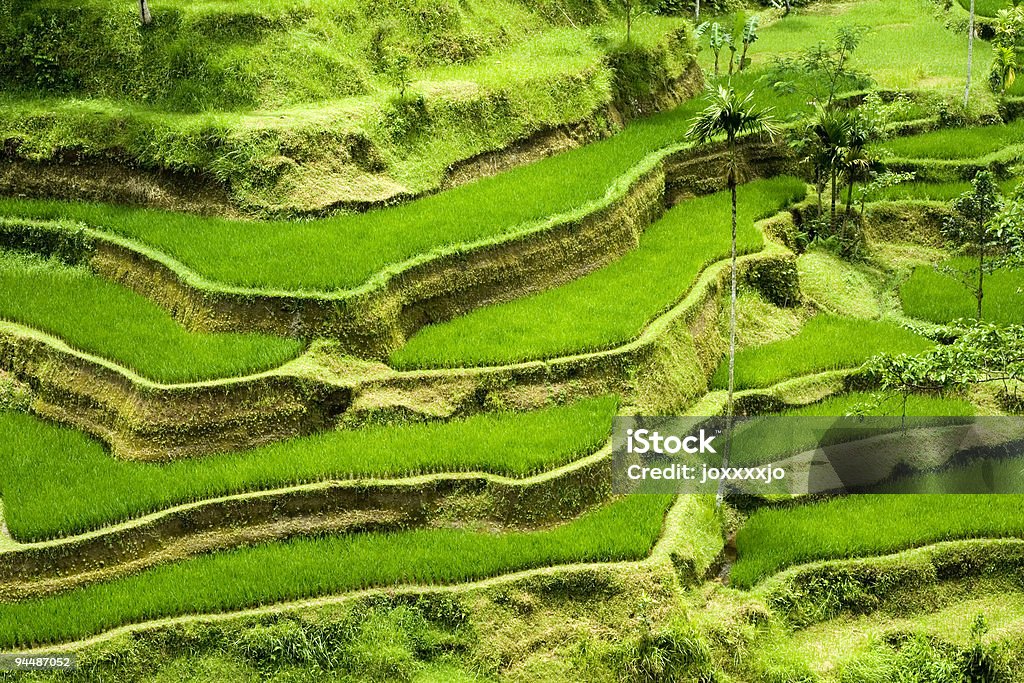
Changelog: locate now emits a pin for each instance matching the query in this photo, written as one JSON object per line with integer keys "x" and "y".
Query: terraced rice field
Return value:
{"x": 970, "y": 143}
{"x": 868, "y": 525}
{"x": 612, "y": 305}
{"x": 97, "y": 490}
{"x": 102, "y": 318}
{"x": 418, "y": 462}
{"x": 622, "y": 530}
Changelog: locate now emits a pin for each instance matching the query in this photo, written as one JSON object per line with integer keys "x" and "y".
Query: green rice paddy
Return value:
{"x": 94, "y": 489}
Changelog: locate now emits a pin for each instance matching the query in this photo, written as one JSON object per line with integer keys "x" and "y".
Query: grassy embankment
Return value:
{"x": 94, "y": 489}
{"x": 292, "y": 105}
{"x": 622, "y": 530}
{"x": 611, "y": 305}
{"x": 102, "y": 318}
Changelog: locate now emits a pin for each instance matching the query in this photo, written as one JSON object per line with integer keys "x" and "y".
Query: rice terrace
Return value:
{"x": 321, "y": 321}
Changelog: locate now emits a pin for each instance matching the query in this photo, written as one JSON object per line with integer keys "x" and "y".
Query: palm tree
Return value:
{"x": 731, "y": 115}
{"x": 830, "y": 133}
{"x": 856, "y": 164}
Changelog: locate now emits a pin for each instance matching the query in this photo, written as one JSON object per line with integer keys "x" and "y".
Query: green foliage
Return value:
{"x": 927, "y": 659}
{"x": 625, "y": 529}
{"x": 826, "y": 64}
{"x": 398, "y": 71}
{"x": 984, "y": 353}
{"x": 776, "y": 279}
{"x": 1006, "y": 45}
{"x": 106, "y": 319}
{"x": 825, "y": 343}
{"x": 972, "y": 211}
{"x": 96, "y": 489}
{"x": 730, "y": 114}
{"x": 606, "y": 307}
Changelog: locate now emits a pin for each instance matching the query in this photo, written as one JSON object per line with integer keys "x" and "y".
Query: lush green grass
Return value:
{"x": 825, "y": 343}
{"x": 864, "y": 403}
{"x": 302, "y": 568}
{"x": 935, "y": 191}
{"x": 936, "y": 296}
{"x": 344, "y": 251}
{"x": 106, "y": 319}
{"x": 906, "y": 46}
{"x": 613, "y": 304}
{"x": 93, "y": 489}
{"x": 986, "y": 8}
{"x": 956, "y": 143}
{"x": 870, "y": 525}
{"x": 228, "y": 55}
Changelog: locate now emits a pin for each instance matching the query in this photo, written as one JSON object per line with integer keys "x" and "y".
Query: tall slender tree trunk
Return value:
{"x": 832, "y": 215}
{"x": 849, "y": 205}
{"x": 981, "y": 267}
{"x": 629, "y": 19}
{"x": 730, "y": 408}
{"x": 970, "y": 54}
{"x": 696, "y": 13}
{"x": 144, "y": 14}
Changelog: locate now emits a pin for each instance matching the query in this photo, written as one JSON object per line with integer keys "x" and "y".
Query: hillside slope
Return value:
{"x": 292, "y": 106}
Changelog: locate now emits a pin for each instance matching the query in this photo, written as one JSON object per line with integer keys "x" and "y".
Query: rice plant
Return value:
{"x": 611, "y": 305}
{"x": 102, "y": 318}
{"x": 826, "y": 342}
{"x": 93, "y": 489}
{"x": 625, "y": 529}
{"x": 854, "y": 526}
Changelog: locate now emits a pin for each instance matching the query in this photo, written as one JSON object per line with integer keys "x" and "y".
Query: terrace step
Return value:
{"x": 375, "y": 319}
{"x": 359, "y": 505}
{"x": 140, "y": 419}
